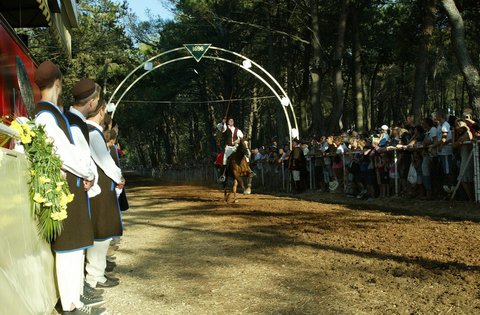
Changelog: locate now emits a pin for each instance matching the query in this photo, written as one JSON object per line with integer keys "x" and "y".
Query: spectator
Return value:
{"x": 297, "y": 165}
{"x": 384, "y": 136}
{"x": 444, "y": 145}
{"x": 461, "y": 141}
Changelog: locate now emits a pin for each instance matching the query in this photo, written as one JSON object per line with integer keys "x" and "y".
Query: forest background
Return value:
{"x": 345, "y": 65}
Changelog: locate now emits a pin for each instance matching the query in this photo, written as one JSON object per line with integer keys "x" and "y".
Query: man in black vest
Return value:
{"x": 106, "y": 217}
{"x": 77, "y": 232}
{"x": 231, "y": 137}
{"x": 86, "y": 94}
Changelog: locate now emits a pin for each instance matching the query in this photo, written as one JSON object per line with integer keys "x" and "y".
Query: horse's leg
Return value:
{"x": 248, "y": 191}
{"x": 225, "y": 196}
{"x": 239, "y": 179}
{"x": 235, "y": 184}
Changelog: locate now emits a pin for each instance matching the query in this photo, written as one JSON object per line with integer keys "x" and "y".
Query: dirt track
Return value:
{"x": 186, "y": 252}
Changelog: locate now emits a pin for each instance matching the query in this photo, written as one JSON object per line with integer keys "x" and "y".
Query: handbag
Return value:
{"x": 412, "y": 174}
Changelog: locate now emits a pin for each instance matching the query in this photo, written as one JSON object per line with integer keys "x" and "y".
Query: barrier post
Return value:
{"x": 310, "y": 171}
{"x": 476, "y": 169}
{"x": 263, "y": 179}
{"x": 395, "y": 159}
{"x": 344, "y": 177}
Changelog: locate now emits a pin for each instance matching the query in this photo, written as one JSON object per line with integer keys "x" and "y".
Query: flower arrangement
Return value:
{"x": 49, "y": 190}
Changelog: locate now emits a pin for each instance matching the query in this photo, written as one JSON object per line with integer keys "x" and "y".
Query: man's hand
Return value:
{"x": 224, "y": 120}
{"x": 87, "y": 184}
{"x": 121, "y": 184}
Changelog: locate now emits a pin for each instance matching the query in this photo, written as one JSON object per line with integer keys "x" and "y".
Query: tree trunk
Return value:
{"x": 429, "y": 10}
{"x": 357, "y": 74}
{"x": 316, "y": 82}
{"x": 251, "y": 116}
{"x": 373, "y": 103}
{"x": 209, "y": 117}
{"x": 469, "y": 71}
{"x": 338, "y": 92}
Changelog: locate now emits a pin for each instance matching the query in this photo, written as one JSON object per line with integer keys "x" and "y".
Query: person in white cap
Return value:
{"x": 384, "y": 137}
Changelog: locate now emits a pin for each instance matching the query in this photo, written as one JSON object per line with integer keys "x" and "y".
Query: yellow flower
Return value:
{"x": 59, "y": 186}
{"x": 48, "y": 191}
{"x": 44, "y": 180}
{"x": 25, "y": 138}
{"x": 48, "y": 204}
{"x": 33, "y": 173}
{"x": 32, "y": 134}
{"x": 70, "y": 197}
{"x": 26, "y": 127}
{"x": 38, "y": 198}
{"x": 59, "y": 216}
{"x": 63, "y": 200}
{"x": 16, "y": 126}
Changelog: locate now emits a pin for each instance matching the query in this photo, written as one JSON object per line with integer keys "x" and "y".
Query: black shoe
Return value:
{"x": 91, "y": 292}
{"x": 109, "y": 277}
{"x": 91, "y": 301}
{"x": 110, "y": 266}
{"x": 86, "y": 310}
{"x": 113, "y": 247}
{"x": 107, "y": 284}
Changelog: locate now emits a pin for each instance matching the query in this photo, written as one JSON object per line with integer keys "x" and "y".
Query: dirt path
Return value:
{"x": 185, "y": 252}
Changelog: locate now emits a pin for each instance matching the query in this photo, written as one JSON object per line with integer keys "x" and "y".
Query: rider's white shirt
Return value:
{"x": 223, "y": 127}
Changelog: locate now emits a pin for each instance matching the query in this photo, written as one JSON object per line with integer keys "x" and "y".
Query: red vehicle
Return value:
{"x": 13, "y": 78}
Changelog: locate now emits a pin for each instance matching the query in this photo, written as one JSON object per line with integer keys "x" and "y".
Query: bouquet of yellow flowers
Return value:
{"x": 49, "y": 190}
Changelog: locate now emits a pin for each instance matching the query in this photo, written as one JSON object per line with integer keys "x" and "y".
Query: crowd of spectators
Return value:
{"x": 423, "y": 160}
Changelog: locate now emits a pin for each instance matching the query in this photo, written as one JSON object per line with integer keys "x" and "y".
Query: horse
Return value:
{"x": 237, "y": 166}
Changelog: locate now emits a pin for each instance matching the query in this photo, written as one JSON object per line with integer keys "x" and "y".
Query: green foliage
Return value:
{"x": 49, "y": 190}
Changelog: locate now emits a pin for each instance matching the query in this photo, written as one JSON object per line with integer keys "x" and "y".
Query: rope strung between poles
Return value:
{"x": 199, "y": 102}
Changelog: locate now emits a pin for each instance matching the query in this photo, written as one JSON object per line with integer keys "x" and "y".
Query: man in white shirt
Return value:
{"x": 86, "y": 96}
{"x": 77, "y": 232}
{"x": 231, "y": 136}
{"x": 106, "y": 217}
{"x": 445, "y": 151}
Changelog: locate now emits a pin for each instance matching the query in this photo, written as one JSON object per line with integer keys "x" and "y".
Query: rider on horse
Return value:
{"x": 231, "y": 137}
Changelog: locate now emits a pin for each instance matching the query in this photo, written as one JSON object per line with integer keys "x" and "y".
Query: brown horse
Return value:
{"x": 237, "y": 166}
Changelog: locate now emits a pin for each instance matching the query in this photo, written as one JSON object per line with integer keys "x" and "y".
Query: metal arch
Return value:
{"x": 264, "y": 71}
{"x": 144, "y": 74}
{"x": 266, "y": 83}
{"x": 214, "y": 58}
{"x": 140, "y": 66}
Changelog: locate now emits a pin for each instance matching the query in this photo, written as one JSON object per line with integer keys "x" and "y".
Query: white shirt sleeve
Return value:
{"x": 239, "y": 134}
{"x": 73, "y": 161}
{"x": 102, "y": 157}
{"x": 222, "y": 127}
